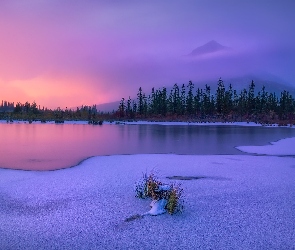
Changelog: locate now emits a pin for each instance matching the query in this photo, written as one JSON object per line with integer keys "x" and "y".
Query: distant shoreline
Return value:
{"x": 164, "y": 123}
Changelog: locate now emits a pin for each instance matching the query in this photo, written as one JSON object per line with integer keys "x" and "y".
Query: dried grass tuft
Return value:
{"x": 150, "y": 187}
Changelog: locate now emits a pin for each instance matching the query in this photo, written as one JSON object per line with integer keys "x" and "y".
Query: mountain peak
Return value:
{"x": 212, "y": 42}
{"x": 208, "y": 48}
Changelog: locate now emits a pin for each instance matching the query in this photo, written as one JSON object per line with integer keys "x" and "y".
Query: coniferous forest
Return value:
{"x": 32, "y": 112}
{"x": 226, "y": 104}
{"x": 182, "y": 103}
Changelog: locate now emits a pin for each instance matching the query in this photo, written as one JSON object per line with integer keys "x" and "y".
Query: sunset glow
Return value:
{"x": 62, "y": 91}
{"x": 65, "y": 54}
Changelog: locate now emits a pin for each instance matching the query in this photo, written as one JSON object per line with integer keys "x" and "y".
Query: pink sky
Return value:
{"x": 68, "y": 53}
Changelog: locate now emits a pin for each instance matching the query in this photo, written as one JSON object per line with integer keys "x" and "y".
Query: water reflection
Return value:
{"x": 51, "y": 146}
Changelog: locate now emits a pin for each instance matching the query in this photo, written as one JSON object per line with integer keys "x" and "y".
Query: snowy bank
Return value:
{"x": 241, "y": 202}
{"x": 244, "y": 124}
{"x": 281, "y": 147}
{"x": 249, "y": 124}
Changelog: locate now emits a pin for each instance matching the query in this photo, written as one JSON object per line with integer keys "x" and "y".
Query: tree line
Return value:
{"x": 225, "y": 104}
{"x": 32, "y": 112}
{"x": 6, "y": 106}
{"x": 185, "y": 103}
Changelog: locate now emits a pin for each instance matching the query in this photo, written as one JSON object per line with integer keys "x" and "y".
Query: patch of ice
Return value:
{"x": 281, "y": 147}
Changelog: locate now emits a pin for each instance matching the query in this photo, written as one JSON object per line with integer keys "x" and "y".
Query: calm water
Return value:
{"x": 51, "y": 146}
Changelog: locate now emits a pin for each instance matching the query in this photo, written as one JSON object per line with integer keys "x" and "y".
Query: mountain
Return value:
{"x": 103, "y": 107}
{"x": 272, "y": 84}
{"x": 208, "y": 48}
{"x": 108, "y": 107}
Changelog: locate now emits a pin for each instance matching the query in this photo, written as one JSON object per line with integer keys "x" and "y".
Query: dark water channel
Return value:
{"x": 51, "y": 146}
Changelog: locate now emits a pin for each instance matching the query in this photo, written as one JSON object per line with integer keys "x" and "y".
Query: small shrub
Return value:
{"x": 141, "y": 187}
{"x": 175, "y": 201}
{"x": 150, "y": 187}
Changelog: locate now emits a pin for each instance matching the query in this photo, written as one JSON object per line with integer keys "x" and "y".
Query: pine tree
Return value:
{"x": 228, "y": 100}
{"x": 190, "y": 98}
{"x": 140, "y": 101}
{"x": 153, "y": 102}
{"x": 243, "y": 102}
{"x": 263, "y": 101}
{"x": 198, "y": 101}
{"x": 286, "y": 105}
{"x": 145, "y": 106}
{"x": 134, "y": 107}
{"x": 182, "y": 100}
{"x": 220, "y": 97}
{"x": 176, "y": 100}
{"x": 163, "y": 101}
{"x": 129, "y": 108}
{"x": 251, "y": 99}
{"x": 27, "y": 107}
{"x": 34, "y": 108}
{"x": 122, "y": 108}
{"x": 170, "y": 104}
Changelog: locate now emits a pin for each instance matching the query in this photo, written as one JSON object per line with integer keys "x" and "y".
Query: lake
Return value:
{"x": 52, "y": 146}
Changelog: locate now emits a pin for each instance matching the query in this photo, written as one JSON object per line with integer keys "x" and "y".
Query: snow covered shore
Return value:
{"x": 281, "y": 147}
{"x": 248, "y": 124}
{"x": 242, "y": 202}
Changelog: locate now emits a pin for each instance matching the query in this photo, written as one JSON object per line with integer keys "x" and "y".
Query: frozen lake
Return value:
{"x": 51, "y": 146}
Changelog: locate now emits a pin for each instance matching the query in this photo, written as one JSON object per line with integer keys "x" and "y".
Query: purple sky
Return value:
{"x": 74, "y": 52}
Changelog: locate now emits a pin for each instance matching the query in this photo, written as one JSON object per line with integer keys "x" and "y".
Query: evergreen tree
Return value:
{"x": 122, "y": 108}
{"x": 34, "y": 108}
{"x": 220, "y": 97}
{"x": 251, "y": 99}
{"x": 140, "y": 101}
{"x": 182, "y": 100}
{"x": 129, "y": 108}
{"x": 134, "y": 107}
{"x": 286, "y": 105}
{"x": 153, "y": 102}
{"x": 145, "y": 105}
{"x": 18, "y": 108}
{"x": 27, "y": 107}
{"x": 264, "y": 107}
{"x": 206, "y": 107}
{"x": 176, "y": 100}
{"x": 170, "y": 104}
{"x": 198, "y": 101}
{"x": 163, "y": 102}
{"x": 243, "y": 102}
{"x": 190, "y": 99}
{"x": 228, "y": 100}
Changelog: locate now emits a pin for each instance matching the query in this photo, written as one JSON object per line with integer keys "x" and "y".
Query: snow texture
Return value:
{"x": 281, "y": 147}
{"x": 242, "y": 202}
{"x": 165, "y": 187}
{"x": 158, "y": 207}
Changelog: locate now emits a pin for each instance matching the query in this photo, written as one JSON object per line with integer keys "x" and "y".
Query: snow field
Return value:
{"x": 244, "y": 202}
